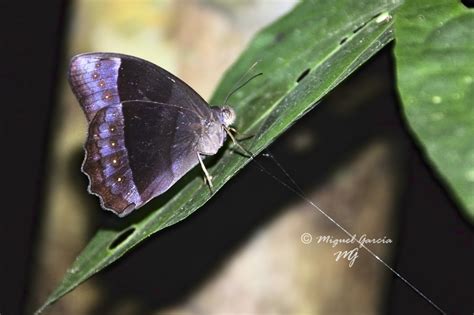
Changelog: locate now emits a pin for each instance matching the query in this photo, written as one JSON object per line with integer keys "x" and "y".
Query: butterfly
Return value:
{"x": 146, "y": 128}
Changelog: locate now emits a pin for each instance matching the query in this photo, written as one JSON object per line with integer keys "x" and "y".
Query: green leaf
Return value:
{"x": 435, "y": 69}
{"x": 328, "y": 38}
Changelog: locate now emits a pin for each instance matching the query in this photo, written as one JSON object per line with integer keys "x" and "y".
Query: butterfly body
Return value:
{"x": 147, "y": 128}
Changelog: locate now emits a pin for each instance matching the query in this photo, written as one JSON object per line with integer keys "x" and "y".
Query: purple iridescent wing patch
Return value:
{"x": 146, "y": 128}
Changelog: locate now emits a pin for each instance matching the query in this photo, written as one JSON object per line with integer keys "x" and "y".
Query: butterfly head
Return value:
{"x": 227, "y": 115}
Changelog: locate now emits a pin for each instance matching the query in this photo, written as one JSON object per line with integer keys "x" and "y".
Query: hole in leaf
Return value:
{"x": 375, "y": 16}
{"x": 122, "y": 237}
{"x": 279, "y": 37}
{"x": 343, "y": 40}
{"x": 358, "y": 29}
{"x": 302, "y": 75}
{"x": 468, "y": 3}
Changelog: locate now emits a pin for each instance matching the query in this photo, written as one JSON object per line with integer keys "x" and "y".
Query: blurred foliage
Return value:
{"x": 435, "y": 70}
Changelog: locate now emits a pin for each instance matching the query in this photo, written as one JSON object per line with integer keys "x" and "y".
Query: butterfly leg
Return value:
{"x": 241, "y": 136}
{"x": 237, "y": 144}
{"x": 208, "y": 177}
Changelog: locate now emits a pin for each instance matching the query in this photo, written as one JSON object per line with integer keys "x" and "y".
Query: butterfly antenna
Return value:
{"x": 238, "y": 85}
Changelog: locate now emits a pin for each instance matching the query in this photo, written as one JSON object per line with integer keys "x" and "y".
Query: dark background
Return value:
{"x": 32, "y": 40}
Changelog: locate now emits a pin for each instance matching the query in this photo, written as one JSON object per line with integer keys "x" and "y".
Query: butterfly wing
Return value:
{"x": 136, "y": 151}
{"x": 106, "y": 79}
{"x": 144, "y": 127}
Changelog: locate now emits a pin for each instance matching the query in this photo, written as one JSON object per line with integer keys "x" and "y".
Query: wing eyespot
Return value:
{"x": 108, "y": 95}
